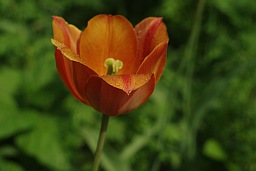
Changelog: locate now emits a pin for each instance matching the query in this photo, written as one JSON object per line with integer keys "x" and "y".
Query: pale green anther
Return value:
{"x": 113, "y": 65}
{"x": 109, "y": 62}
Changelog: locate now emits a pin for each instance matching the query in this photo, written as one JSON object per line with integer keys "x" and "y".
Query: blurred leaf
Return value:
{"x": 175, "y": 159}
{"x": 43, "y": 143}
{"x": 9, "y": 79}
{"x": 9, "y": 166}
{"x": 231, "y": 8}
{"x": 138, "y": 142}
{"x": 10, "y": 45}
{"x": 7, "y": 151}
{"x": 13, "y": 122}
{"x": 111, "y": 159}
{"x": 115, "y": 130}
{"x": 233, "y": 167}
{"x": 213, "y": 149}
{"x": 41, "y": 68}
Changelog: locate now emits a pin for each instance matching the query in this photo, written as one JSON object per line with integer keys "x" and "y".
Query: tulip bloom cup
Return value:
{"x": 110, "y": 65}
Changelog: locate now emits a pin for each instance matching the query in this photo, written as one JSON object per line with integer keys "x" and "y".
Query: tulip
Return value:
{"x": 111, "y": 65}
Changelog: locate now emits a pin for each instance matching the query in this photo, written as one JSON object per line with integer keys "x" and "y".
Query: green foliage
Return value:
{"x": 44, "y": 145}
{"x": 202, "y": 115}
{"x": 214, "y": 150}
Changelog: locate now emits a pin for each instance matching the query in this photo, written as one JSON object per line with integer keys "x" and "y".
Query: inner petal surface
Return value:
{"x": 109, "y": 36}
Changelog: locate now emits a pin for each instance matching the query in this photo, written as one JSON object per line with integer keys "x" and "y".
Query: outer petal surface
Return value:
{"x": 113, "y": 101}
{"x": 150, "y": 32}
{"x": 69, "y": 65}
{"x": 74, "y": 75}
{"x": 65, "y": 33}
{"x": 109, "y": 36}
{"x": 155, "y": 62}
{"x": 67, "y": 52}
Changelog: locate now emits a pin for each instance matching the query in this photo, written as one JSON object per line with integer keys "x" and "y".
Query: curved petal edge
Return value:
{"x": 113, "y": 101}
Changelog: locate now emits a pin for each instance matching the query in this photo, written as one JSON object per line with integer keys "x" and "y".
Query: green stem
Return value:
{"x": 188, "y": 67}
{"x": 101, "y": 141}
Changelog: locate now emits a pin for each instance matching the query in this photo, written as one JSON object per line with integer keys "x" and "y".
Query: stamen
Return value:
{"x": 113, "y": 66}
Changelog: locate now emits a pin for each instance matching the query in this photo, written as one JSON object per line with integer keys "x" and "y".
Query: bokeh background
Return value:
{"x": 201, "y": 117}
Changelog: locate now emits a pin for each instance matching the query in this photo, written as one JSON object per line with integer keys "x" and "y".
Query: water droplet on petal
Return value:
{"x": 129, "y": 92}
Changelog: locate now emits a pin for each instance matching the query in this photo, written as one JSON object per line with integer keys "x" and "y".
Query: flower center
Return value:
{"x": 113, "y": 65}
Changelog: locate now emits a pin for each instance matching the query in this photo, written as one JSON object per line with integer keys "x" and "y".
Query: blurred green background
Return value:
{"x": 201, "y": 117}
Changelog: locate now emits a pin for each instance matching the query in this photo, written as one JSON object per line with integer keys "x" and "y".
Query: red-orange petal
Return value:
{"x": 150, "y": 32}
{"x": 112, "y": 101}
{"x": 74, "y": 75}
{"x": 109, "y": 36}
{"x": 127, "y": 83}
{"x": 66, "y": 51}
{"x": 154, "y": 62}
{"x": 65, "y": 33}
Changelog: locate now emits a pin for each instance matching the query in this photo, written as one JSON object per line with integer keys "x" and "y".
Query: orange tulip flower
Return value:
{"x": 111, "y": 66}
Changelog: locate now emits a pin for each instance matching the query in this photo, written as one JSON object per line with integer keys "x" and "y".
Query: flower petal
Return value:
{"x": 150, "y": 32}
{"x": 154, "y": 62}
{"x": 112, "y": 101}
{"x": 74, "y": 75}
{"x": 109, "y": 36}
{"x": 67, "y": 52}
{"x": 65, "y": 33}
{"x": 127, "y": 83}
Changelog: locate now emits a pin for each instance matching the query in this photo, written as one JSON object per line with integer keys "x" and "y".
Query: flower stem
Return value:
{"x": 101, "y": 140}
